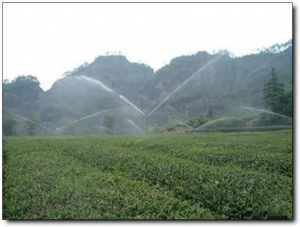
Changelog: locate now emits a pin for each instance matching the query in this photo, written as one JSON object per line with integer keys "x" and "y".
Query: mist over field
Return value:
{"x": 112, "y": 95}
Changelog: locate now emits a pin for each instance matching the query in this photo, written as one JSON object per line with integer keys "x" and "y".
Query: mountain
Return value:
{"x": 118, "y": 73}
{"x": 113, "y": 92}
{"x": 218, "y": 82}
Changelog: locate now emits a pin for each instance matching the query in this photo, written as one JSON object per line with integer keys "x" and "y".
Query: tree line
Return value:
{"x": 22, "y": 95}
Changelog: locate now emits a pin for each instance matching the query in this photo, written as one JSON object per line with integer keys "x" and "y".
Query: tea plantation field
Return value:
{"x": 186, "y": 176}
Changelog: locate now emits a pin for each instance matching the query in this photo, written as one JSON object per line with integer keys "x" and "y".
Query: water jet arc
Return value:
{"x": 134, "y": 125}
{"x": 111, "y": 91}
{"x": 265, "y": 111}
{"x": 99, "y": 83}
{"x": 184, "y": 83}
{"x": 27, "y": 119}
{"x": 131, "y": 104}
{"x": 211, "y": 122}
{"x": 80, "y": 119}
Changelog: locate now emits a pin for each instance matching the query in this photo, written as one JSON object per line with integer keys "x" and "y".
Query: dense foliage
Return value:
{"x": 201, "y": 176}
{"x": 276, "y": 98}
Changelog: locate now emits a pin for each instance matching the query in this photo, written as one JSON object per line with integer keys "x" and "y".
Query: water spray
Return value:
{"x": 131, "y": 104}
{"x": 111, "y": 91}
{"x": 211, "y": 122}
{"x": 134, "y": 125}
{"x": 99, "y": 83}
{"x": 265, "y": 111}
{"x": 27, "y": 119}
{"x": 81, "y": 119}
{"x": 184, "y": 83}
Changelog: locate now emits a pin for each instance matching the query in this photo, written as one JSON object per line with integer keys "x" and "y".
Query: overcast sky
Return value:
{"x": 46, "y": 40}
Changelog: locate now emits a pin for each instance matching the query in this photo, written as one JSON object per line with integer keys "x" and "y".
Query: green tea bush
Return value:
{"x": 194, "y": 176}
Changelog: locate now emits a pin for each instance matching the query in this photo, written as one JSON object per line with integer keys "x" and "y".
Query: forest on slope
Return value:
{"x": 113, "y": 94}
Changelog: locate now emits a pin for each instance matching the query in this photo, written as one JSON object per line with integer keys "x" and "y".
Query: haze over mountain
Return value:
{"x": 189, "y": 86}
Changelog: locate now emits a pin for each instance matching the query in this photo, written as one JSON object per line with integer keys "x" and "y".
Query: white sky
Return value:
{"x": 46, "y": 40}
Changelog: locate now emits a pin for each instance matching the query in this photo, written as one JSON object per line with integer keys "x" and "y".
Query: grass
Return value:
{"x": 194, "y": 176}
